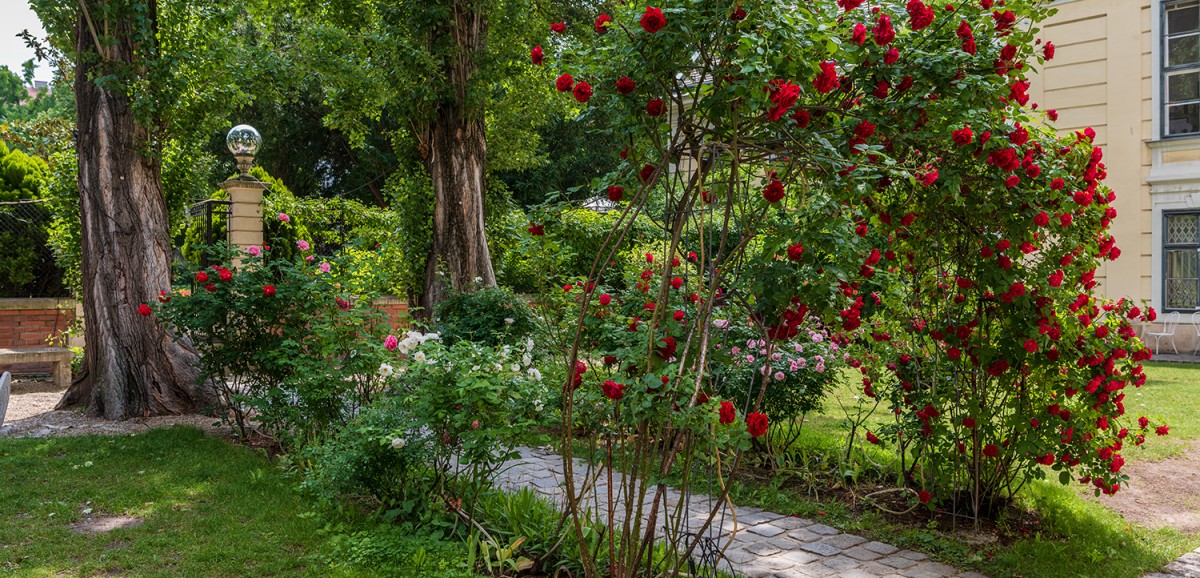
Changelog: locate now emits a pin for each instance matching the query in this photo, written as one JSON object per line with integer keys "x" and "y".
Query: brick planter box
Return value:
{"x": 30, "y": 323}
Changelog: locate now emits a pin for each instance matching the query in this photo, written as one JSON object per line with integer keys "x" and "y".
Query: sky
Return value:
{"x": 15, "y": 16}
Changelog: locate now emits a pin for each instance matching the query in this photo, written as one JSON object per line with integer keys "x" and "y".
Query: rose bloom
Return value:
{"x": 615, "y": 193}
{"x": 756, "y": 424}
{"x": 653, "y": 20}
{"x": 390, "y": 343}
{"x": 268, "y": 290}
{"x": 726, "y": 413}
{"x": 602, "y": 23}
{"x": 323, "y": 267}
{"x": 625, "y": 85}
{"x": 202, "y": 277}
{"x": 284, "y": 217}
{"x": 144, "y": 310}
{"x": 254, "y": 251}
{"x": 564, "y": 82}
{"x": 613, "y": 390}
{"x": 654, "y": 107}
{"x": 582, "y": 92}
{"x": 558, "y": 27}
{"x": 302, "y": 245}
{"x": 536, "y": 55}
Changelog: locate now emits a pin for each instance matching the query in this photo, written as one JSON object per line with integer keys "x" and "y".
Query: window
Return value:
{"x": 1181, "y": 67}
{"x": 1181, "y": 261}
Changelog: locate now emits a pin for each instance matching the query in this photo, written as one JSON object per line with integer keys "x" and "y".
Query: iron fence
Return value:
{"x": 27, "y": 264}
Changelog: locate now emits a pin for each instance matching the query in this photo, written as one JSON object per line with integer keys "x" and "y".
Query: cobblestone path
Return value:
{"x": 760, "y": 543}
{"x": 1187, "y": 566}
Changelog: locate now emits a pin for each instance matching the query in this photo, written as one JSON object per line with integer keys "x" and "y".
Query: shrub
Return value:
{"x": 486, "y": 315}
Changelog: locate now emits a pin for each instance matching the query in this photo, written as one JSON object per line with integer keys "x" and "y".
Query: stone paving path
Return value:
{"x": 1187, "y": 566}
{"x": 760, "y": 543}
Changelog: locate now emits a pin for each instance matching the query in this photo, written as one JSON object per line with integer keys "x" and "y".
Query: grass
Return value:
{"x": 209, "y": 508}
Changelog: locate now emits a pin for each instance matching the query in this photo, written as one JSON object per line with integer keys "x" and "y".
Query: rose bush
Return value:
{"x": 881, "y": 168}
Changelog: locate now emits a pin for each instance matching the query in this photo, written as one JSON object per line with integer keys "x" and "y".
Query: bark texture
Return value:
{"x": 454, "y": 148}
{"x": 132, "y": 367}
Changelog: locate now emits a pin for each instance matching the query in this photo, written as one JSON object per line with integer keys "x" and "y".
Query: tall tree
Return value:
{"x": 127, "y": 87}
{"x": 431, "y": 75}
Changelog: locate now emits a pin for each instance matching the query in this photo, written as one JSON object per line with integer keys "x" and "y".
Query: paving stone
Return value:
{"x": 863, "y": 554}
{"x": 911, "y": 555}
{"x": 766, "y": 530}
{"x": 881, "y": 548}
{"x": 840, "y": 563}
{"x": 739, "y": 556}
{"x": 792, "y": 523}
{"x": 755, "y": 571}
{"x": 792, "y": 573}
{"x": 804, "y": 535}
{"x": 844, "y": 541}
{"x": 823, "y": 530}
{"x": 822, "y": 549}
{"x": 800, "y": 557}
{"x": 763, "y": 549}
{"x": 858, "y": 573}
{"x": 784, "y": 543}
{"x": 897, "y": 561}
{"x": 972, "y": 575}
{"x": 929, "y": 570}
{"x": 775, "y": 562}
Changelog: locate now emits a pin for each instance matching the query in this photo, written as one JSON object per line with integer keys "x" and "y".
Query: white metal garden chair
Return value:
{"x": 5, "y": 390}
{"x": 1170, "y": 321}
{"x": 1196, "y": 326}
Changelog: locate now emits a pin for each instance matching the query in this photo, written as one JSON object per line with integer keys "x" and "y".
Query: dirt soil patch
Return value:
{"x": 105, "y": 524}
{"x": 1162, "y": 493}
{"x": 31, "y": 414}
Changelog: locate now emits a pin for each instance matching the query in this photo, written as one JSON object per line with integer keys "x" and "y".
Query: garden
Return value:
{"x": 697, "y": 289}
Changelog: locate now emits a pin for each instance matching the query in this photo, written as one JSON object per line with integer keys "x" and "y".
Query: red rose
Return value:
{"x": 802, "y": 118}
{"x": 615, "y": 193}
{"x": 1041, "y": 219}
{"x": 269, "y": 290}
{"x": 871, "y": 438}
{"x": 536, "y": 229}
{"x": 602, "y": 23}
{"x": 210, "y": 287}
{"x": 849, "y": 5}
{"x": 605, "y": 299}
{"x": 924, "y": 496}
{"x": 564, "y": 82}
{"x": 727, "y": 413}
{"x": 225, "y": 275}
{"x": 1019, "y": 136}
{"x": 163, "y": 296}
{"x": 756, "y": 424}
{"x": 144, "y": 310}
{"x": 795, "y": 251}
{"x": 654, "y": 107}
{"x": 1052, "y": 114}
{"x": 738, "y": 14}
{"x": 827, "y": 80}
{"x": 536, "y": 55}
{"x": 891, "y": 56}
{"x": 859, "y": 35}
{"x": 676, "y": 283}
{"x": 1143, "y": 422}
{"x": 646, "y": 172}
{"x": 783, "y": 95}
{"x": 774, "y": 191}
{"x": 883, "y": 31}
{"x": 963, "y": 136}
{"x": 558, "y": 27}
{"x": 928, "y": 178}
{"x": 1031, "y": 345}
{"x": 864, "y": 129}
{"x": 653, "y": 20}
{"x": 991, "y": 450}
{"x": 668, "y": 346}
{"x": 968, "y": 422}
{"x": 1162, "y": 430}
{"x": 613, "y": 390}
{"x": 625, "y": 85}
{"x": 679, "y": 315}
{"x": 968, "y": 45}
{"x": 919, "y": 15}
{"x": 583, "y": 91}
{"x": 1012, "y": 181}
{"x": 1004, "y": 20}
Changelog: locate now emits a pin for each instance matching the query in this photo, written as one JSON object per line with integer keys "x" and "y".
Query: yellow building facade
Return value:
{"x": 1130, "y": 69}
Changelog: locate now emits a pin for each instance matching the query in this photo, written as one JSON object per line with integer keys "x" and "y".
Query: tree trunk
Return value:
{"x": 132, "y": 367}
{"x": 454, "y": 148}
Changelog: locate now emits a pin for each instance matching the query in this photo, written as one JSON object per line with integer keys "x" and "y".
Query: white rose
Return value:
{"x": 385, "y": 370}
{"x": 533, "y": 371}
{"x": 509, "y": 320}
{"x": 526, "y": 360}
{"x": 419, "y": 357}
{"x": 398, "y": 443}
{"x": 516, "y": 368}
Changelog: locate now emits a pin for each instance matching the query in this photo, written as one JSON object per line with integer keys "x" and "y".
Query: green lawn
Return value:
{"x": 209, "y": 509}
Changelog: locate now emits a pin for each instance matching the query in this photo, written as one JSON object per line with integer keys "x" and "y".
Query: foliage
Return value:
{"x": 27, "y": 266}
{"x": 281, "y": 338}
{"x": 486, "y": 315}
{"x": 396, "y": 551}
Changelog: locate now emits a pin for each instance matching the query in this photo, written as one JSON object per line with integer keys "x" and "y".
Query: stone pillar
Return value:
{"x": 245, "y": 214}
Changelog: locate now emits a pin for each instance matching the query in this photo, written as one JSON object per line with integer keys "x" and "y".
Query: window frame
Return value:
{"x": 1166, "y": 248}
{"x": 1165, "y": 71}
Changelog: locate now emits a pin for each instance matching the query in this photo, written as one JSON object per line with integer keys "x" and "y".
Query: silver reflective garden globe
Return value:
{"x": 243, "y": 141}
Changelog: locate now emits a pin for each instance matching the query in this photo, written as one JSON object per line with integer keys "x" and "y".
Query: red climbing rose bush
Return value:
{"x": 878, "y": 169}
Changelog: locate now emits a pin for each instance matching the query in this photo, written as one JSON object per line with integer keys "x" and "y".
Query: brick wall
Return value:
{"x": 34, "y": 323}
{"x": 395, "y": 310}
